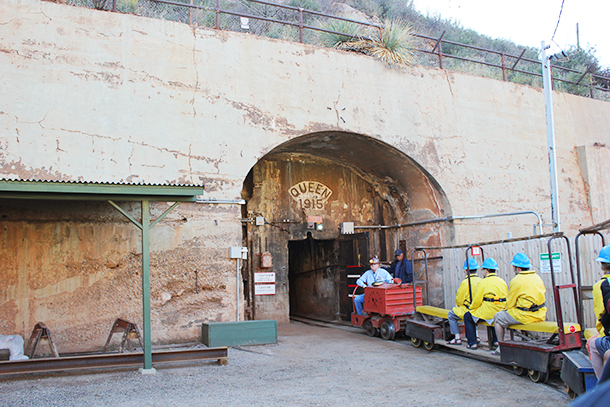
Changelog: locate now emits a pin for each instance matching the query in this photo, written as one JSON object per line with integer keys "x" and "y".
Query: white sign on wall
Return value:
{"x": 264, "y": 277}
{"x": 545, "y": 264}
{"x": 264, "y": 289}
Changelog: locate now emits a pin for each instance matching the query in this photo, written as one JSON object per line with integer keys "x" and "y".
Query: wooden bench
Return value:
{"x": 590, "y": 332}
{"x": 433, "y": 311}
{"x": 547, "y": 327}
{"x": 544, "y": 326}
{"x": 440, "y": 313}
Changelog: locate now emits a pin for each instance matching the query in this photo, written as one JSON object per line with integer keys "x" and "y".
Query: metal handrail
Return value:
{"x": 436, "y": 50}
{"x": 578, "y": 270}
{"x": 556, "y": 288}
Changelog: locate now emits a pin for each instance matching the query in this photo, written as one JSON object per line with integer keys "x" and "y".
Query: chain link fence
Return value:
{"x": 290, "y": 23}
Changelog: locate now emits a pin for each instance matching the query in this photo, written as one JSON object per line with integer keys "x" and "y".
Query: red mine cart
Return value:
{"x": 386, "y": 308}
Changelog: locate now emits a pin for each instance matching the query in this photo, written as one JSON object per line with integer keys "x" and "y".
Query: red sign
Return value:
{"x": 476, "y": 250}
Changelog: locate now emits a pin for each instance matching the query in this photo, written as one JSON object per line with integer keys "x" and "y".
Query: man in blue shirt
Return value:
{"x": 401, "y": 268}
{"x": 368, "y": 278}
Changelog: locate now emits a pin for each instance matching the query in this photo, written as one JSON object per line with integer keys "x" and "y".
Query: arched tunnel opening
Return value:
{"x": 298, "y": 196}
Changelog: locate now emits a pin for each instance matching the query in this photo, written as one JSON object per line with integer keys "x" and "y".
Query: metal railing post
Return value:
{"x": 218, "y": 14}
{"x": 301, "y": 25}
{"x": 114, "y": 6}
{"x": 440, "y": 52}
{"x": 503, "y": 68}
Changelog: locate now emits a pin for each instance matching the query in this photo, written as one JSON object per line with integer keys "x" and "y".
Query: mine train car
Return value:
{"x": 542, "y": 348}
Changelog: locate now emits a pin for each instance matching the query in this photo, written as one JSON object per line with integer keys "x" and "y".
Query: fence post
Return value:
{"x": 440, "y": 52}
{"x": 440, "y": 58}
{"x": 503, "y": 68}
{"x": 301, "y": 25}
{"x": 114, "y": 6}
{"x": 218, "y": 14}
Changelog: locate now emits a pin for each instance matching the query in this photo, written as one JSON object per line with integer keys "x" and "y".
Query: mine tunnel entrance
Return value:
{"x": 322, "y": 275}
{"x": 302, "y": 193}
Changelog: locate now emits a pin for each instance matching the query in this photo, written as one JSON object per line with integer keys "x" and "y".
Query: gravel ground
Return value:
{"x": 309, "y": 366}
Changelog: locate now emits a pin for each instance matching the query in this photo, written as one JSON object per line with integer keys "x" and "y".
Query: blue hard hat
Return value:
{"x": 604, "y": 255}
{"x": 489, "y": 264}
{"x": 471, "y": 264}
{"x": 521, "y": 260}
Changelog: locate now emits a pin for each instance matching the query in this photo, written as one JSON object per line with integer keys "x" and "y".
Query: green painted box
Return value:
{"x": 215, "y": 334}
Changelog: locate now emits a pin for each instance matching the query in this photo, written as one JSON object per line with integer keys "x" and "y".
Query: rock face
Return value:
{"x": 107, "y": 97}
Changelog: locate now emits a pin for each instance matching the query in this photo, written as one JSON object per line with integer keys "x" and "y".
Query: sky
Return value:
{"x": 528, "y": 22}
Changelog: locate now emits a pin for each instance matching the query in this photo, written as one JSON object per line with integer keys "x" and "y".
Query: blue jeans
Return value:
{"x": 471, "y": 330}
{"x": 359, "y": 302}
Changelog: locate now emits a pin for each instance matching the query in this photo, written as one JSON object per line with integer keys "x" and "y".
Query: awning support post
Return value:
{"x": 146, "y": 285}
{"x": 145, "y": 227}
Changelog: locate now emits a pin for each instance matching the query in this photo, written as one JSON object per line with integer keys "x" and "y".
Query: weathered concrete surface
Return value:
{"x": 151, "y": 100}
{"x": 97, "y": 96}
{"x": 77, "y": 267}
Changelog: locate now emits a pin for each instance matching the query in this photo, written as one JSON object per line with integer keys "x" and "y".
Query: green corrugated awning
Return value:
{"x": 98, "y": 191}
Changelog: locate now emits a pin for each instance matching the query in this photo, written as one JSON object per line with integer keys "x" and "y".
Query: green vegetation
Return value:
{"x": 127, "y": 6}
{"x": 393, "y": 44}
{"x": 575, "y": 58}
{"x": 350, "y": 32}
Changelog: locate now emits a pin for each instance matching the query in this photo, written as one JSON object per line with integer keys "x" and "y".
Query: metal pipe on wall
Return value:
{"x": 452, "y": 218}
{"x": 221, "y": 201}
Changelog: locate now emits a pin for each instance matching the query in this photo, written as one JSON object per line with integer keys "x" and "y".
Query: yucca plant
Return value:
{"x": 395, "y": 44}
{"x": 349, "y": 32}
{"x": 392, "y": 44}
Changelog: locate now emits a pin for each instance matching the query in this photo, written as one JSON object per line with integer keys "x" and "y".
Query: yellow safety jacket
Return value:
{"x": 462, "y": 297}
{"x": 598, "y": 304}
{"x": 526, "y": 291}
{"x": 490, "y": 298}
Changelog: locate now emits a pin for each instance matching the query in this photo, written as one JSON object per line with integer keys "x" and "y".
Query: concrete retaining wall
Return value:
{"x": 97, "y": 96}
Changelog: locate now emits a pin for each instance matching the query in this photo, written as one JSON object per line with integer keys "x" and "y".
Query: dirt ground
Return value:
{"x": 309, "y": 366}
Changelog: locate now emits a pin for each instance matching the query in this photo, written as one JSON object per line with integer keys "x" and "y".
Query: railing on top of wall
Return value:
{"x": 307, "y": 26}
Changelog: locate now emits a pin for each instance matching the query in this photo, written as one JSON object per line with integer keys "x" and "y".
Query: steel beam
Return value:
{"x": 109, "y": 361}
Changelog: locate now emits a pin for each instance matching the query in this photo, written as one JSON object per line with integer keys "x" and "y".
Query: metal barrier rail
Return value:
{"x": 436, "y": 43}
{"x": 108, "y": 361}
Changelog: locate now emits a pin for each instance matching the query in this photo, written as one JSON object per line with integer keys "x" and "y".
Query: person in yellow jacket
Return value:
{"x": 599, "y": 345}
{"x": 463, "y": 298}
{"x": 526, "y": 301}
{"x": 490, "y": 298}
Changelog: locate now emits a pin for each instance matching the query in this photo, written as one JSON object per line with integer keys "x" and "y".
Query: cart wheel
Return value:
{"x": 519, "y": 371}
{"x": 369, "y": 328}
{"x": 416, "y": 341}
{"x": 430, "y": 346}
{"x": 387, "y": 330}
{"x": 571, "y": 393}
{"x": 537, "y": 377}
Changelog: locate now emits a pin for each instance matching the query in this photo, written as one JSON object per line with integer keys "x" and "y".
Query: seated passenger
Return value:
{"x": 368, "y": 278}
{"x": 525, "y": 302}
{"x": 463, "y": 298}
{"x": 401, "y": 268}
{"x": 489, "y": 299}
{"x": 599, "y": 345}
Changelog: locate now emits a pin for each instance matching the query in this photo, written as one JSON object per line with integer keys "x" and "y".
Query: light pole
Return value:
{"x": 550, "y": 134}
